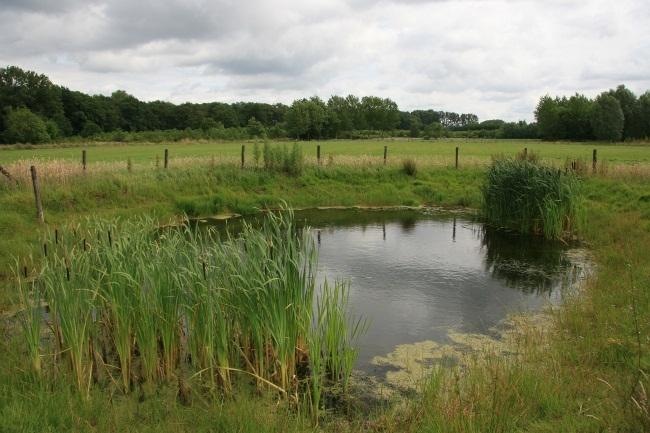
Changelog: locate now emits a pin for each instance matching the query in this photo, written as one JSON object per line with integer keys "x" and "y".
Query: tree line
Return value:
{"x": 614, "y": 115}
{"x": 34, "y": 110}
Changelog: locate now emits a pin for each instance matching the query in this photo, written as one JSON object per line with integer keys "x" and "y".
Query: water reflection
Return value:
{"x": 524, "y": 262}
{"x": 415, "y": 276}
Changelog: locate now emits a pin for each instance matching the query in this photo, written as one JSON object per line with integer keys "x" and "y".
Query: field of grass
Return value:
{"x": 588, "y": 372}
{"x": 477, "y": 150}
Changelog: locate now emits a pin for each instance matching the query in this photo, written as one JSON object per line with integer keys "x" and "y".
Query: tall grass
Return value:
{"x": 280, "y": 158}
{"x": 130, "y": 304}
{"x": 531, "y": 197}
{"x": 31, "y": 319}
{"x": 409, "y": 167}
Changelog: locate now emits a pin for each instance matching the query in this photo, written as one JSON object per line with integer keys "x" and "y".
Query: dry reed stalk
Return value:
{"x": 625, "y": 171}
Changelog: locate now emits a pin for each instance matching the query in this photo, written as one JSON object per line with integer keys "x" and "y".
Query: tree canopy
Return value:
{"x": 66, "y": 112}
{"x": 613, "y": 115}
{"x": 49, "y": 112}
{"x": 23, "y": 126}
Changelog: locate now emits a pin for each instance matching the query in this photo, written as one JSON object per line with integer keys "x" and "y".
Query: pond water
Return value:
{"x": 419, "y": 275}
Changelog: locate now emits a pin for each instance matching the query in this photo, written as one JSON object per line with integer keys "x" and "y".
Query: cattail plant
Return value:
{"x": 137, "y": 304}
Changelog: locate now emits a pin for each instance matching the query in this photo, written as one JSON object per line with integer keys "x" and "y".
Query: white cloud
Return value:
{"x": 493, "y": 57}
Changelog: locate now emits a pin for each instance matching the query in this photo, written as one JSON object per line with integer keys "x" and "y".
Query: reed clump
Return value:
{"x": 532, "y": 198}
{"x": 130, "y": 304}
{"x": 280, "y": 158}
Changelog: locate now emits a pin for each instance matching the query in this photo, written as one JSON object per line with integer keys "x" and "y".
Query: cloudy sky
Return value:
{"x": 490, "y": 57}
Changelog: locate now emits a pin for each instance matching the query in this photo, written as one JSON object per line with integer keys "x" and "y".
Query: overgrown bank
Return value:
{"x": 591, "y": 376}
{"x": 207, "y": 191}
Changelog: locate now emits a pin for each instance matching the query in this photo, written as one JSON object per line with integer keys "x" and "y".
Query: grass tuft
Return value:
{"x": 409, "y": 166}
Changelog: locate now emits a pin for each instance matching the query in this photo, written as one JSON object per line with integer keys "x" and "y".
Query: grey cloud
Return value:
{"x": 460, "y": 55}
{"x": 622, "y": 75}
{"x": 139, "y": 22}
{"x": 41, "y": 6}
{"x": 257, "y": 66}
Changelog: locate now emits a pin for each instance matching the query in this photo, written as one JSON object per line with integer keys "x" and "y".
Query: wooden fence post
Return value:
{"x": 166, "y": 158}
{"x": 8, "y": 175}
{"x": 37, "y": 195}
{"x": 318, "y": 154}
{"x": 594, "y": 161}
{"x": 525, "y": 153}
{"x": 83, "y": 159}
{"x": 456, "y": 156}
{"x": 243, "y": 153}
{"x": 385, "y": 154}
{"x": 453, "y": 233}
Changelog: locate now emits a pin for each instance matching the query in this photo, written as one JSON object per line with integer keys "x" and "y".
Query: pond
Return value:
{"x": 420, "y": 275}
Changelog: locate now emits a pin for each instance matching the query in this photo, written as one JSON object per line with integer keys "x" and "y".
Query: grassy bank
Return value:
{"x": 588, "y": 372}
{"x": 208, "y": 191}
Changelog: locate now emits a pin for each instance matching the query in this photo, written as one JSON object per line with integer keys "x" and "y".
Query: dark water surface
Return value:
{"x": 416, "y": 275}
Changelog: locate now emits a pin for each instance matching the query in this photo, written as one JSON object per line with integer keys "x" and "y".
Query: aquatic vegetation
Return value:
{"x": 132, "y": 304}
{"x": 532, "y": 197}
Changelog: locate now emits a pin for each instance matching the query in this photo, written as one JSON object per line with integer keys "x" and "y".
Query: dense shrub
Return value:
{"x": 255, "y": 128}
{"x": 52, "y": 129}
{"x": 90, "y": 129}
{"x": 520, "y": 129}
{"x": 23, "y": 126}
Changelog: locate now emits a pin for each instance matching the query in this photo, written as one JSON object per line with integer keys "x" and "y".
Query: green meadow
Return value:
{"x": 585, "y": 370}
{"x": 481, "y": 150}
